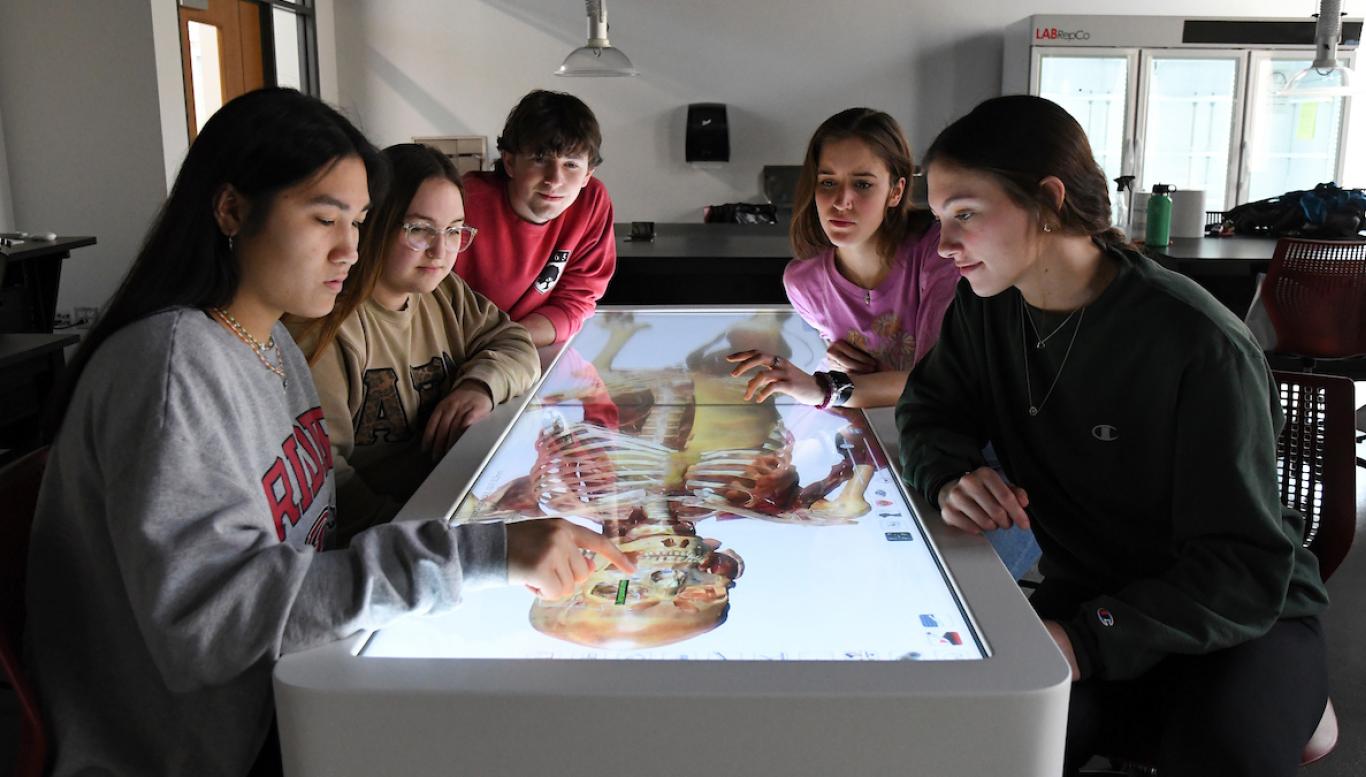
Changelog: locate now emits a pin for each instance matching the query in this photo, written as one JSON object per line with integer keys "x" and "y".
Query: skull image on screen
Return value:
{"x": 679, "y": 590}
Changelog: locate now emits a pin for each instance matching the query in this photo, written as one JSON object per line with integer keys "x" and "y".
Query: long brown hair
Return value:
{"x": 1019, "y": 140}
{"x": 410, "y": 165}
{"x": 883, "y": 136}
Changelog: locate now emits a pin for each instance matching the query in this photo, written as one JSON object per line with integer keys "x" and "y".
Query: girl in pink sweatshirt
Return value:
{"x": 867, "y": 275}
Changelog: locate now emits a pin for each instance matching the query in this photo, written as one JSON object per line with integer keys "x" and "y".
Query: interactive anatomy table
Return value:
{"x": 790, "y": 614}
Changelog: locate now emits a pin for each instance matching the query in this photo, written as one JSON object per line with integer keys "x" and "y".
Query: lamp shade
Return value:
{"x": 1320, "y": 82}
{"x": 598, "y": 58}
{"x": 1326, "y": 77}
{"x": 596, "y": 62}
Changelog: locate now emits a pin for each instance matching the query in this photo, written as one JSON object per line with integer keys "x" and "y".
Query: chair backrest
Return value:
{"x": 1316, "y": 462}
{"x": 1315, "y": 296}
{"x": 19, "y": 482}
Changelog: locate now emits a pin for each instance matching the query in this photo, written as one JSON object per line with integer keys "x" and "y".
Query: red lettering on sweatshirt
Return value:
{"x": 317, "y": 533}
{"x": 280, "y": 496}
{"x": 312, "y": 422}
{"x": 300, "y": 476}
{"x": 290, "y": 499}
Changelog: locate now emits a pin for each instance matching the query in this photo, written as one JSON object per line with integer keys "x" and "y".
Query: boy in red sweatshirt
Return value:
{"x": 546, "y": 248}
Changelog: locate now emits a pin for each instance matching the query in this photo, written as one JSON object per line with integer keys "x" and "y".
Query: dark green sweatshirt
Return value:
{"x": 1151, "y": 470}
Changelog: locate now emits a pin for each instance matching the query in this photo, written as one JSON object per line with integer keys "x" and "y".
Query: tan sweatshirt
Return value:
{"x": 387, "y": 369}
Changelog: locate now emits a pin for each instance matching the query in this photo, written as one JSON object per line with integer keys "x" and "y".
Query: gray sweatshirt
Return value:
{"x": 175, "y": 553}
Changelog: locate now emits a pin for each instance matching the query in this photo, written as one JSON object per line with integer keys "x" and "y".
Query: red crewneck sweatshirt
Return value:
{"x": 558, "y": 269}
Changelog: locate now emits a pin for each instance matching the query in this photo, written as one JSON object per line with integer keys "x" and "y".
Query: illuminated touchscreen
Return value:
{"x": 769, "y": 531}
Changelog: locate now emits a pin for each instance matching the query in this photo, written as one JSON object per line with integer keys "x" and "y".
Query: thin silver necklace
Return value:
{"x": 1024, "y": 350}
{"x": 1039, "y": 340}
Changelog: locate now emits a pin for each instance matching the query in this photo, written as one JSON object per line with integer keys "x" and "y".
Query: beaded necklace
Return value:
{"x": 255, "y": 345}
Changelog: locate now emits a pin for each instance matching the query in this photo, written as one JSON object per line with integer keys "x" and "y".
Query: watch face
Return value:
{"x": 843, "y": 387}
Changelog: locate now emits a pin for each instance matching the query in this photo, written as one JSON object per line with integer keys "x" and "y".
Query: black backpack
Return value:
{"x": 1326, "y": 211}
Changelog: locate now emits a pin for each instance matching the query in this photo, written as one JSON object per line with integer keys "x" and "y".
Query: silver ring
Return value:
{"x": 776, "y": 363}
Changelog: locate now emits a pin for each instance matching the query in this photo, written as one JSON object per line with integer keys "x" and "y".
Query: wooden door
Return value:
{"x": 223, "y": 43}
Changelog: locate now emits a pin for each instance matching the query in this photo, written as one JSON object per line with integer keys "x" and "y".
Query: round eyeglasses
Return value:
{"x": 421, "y": 237}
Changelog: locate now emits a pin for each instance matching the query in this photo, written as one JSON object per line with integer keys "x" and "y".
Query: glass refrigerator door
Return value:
{"x": 1293, "y": 143}
{"x": 761, "y": 531}
{"x": 1190, "y": 109}
{"x": 1096, "y": 86}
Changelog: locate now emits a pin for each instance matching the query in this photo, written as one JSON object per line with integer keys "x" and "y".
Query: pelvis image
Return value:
{"x": 648, "y": 452}
{"x": 679, "y": 590}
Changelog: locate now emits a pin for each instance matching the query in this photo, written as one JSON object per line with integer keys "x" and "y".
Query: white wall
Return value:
{"x": 82, "y": 132}
{"x": 6, "y": 204}
{"x": 324, "y": 21}
{"x": 170, "y": 84}
{"x": 438, "y": 67}
{"x": 92, "y": 111}
{"x": 92, "y": 125}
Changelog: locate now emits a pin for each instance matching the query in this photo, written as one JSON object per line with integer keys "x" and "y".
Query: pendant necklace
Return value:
{"x": 1039, "y": 340}
{"x": 1024, "y": 349}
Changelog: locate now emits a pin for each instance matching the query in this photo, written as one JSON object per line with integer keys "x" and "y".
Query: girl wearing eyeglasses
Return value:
{"x": 422, "y": 357}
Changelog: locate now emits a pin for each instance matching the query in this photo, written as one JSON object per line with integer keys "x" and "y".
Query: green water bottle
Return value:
{"x": 1159, "y": 230}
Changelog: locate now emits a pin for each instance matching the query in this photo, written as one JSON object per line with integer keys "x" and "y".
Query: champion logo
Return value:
{"x": 1105, "y": 432}
{"x": 1106, "y": 619}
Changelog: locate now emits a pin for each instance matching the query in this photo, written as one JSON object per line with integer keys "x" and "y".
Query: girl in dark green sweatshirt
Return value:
{"x": 1136, "y": 420}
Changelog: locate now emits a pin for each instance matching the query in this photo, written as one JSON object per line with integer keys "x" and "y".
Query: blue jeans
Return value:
{"x": 1017, "y": 548}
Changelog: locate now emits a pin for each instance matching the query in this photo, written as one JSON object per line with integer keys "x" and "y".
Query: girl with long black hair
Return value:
{"x": 177, "y": 549}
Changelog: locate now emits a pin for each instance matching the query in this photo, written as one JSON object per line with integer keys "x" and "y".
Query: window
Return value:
{"x": 294, "y": 45}
{"x": 1297, "y": 141}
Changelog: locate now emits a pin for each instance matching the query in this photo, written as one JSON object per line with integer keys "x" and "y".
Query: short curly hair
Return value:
{"x": 545, "y": 122}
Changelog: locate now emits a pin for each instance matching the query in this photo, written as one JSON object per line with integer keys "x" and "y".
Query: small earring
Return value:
{"x": 1047, "y": 227}
{"x": 230, "y": 243}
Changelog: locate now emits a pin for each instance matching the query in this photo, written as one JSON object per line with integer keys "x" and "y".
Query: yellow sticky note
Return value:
{"x": 1306, "y": 120}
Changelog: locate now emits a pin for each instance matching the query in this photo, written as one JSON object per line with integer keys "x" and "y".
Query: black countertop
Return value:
{"x": 707, "y": 241}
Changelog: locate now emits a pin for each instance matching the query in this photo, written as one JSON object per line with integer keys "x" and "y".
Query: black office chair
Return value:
{"x": 1314, "y": 460}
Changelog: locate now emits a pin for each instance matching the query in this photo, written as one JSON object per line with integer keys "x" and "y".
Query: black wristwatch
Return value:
{"x": 842, "y": 388}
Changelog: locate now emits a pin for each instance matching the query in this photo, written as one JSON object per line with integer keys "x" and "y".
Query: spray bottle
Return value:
{"x": 1119, "y": 209}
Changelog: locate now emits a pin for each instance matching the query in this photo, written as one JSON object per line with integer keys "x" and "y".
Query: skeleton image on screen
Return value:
{"x": 684, "y": 444}
{"x": 755, "y": 532}
{"x": 680, "y": 589}
{"x": 655, "y": 452}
